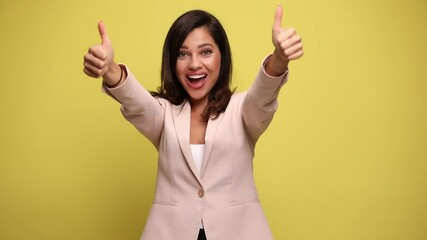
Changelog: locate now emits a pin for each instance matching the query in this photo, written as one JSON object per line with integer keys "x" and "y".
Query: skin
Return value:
{"x": 197, "y": 69}
{"x": 99, "y": 62}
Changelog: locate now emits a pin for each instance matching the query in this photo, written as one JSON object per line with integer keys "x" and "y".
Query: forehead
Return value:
{"x": 197, "y": 37}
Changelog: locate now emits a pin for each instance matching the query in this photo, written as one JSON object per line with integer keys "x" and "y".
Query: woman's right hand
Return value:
{"x": 99, "y": 61}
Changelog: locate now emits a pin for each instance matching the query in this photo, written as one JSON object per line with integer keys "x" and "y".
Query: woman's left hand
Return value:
{"x": 287, "y": 44}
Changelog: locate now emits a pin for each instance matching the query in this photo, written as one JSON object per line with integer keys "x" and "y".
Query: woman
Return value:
{"x": 205, "y": 133}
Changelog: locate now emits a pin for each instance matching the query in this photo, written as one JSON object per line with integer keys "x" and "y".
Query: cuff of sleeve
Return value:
{"x": 123, "y": 88}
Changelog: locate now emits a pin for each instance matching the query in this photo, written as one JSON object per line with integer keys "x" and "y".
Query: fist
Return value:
{"x": 287, "y": 42}
{"x": 100, "y": 58}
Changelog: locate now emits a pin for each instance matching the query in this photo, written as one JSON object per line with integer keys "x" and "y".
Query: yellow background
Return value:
{"x": 345, "y": 157}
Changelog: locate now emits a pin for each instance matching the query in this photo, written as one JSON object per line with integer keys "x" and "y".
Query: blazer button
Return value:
{"x": 201, "y": 193}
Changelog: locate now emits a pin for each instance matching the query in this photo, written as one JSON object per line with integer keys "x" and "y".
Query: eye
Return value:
{"x": 206, "y": 52}
{"x": 182, "y": 54}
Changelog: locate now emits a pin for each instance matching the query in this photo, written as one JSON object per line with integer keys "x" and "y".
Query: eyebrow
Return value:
{"x": 200, "y": 46}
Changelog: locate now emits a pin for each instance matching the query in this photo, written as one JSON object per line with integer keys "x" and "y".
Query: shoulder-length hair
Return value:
{"x": 170, "y": 88}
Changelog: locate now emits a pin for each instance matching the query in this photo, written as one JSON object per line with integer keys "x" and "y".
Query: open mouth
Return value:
{"x": 197, "y": 81}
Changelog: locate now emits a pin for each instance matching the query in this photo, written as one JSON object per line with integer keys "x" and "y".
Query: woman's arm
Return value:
{"x": 141, "y": 109}
{"x": 138, "y": 106}
{"x": 260, "y": 102}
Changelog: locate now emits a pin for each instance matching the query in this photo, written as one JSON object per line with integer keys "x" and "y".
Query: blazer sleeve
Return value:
{"x": 141, "y": 109}
{"x": 260, "y": 102}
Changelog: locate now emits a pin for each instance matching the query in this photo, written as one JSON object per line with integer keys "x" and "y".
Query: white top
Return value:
{"x": 198, "y": 151}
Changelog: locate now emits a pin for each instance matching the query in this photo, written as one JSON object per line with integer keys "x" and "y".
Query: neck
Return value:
{"x": 198, "y": 106}
{"x": 197, "y": 109}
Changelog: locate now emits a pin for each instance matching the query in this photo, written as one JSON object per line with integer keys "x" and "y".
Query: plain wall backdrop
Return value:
{"x": 344, "y": 158}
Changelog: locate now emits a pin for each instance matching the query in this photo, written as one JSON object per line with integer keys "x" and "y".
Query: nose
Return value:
{"x": 194, "y": 63}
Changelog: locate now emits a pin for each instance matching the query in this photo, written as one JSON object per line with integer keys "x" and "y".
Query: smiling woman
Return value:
{"x": 205, "y": 133}
{"x": 208, "y": 42}
{"x": 198, "y": 66}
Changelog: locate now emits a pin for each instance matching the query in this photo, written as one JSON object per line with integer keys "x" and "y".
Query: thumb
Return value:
{"x": 103, "y": 33}
{"x": 278, "y": 19}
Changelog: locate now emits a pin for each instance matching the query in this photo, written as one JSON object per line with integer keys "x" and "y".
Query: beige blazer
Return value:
{"x": 224, "y": 196}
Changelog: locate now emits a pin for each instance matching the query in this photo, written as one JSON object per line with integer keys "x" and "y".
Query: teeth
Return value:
{"x": 196, "y": 76}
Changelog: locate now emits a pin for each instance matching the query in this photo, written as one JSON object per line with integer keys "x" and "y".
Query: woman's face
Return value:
{"x": 198, "y": 65}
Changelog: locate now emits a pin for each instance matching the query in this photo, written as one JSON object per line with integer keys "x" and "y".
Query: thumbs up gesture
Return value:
{"x": 287, "y": 44}
{"x": 99, "y": 61}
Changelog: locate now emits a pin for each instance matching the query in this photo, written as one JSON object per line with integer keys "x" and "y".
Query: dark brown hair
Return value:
{"x": 170, "y": 88}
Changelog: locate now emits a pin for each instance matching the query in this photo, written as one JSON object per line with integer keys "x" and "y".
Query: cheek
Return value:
{"x": 181, "y": 72}
{"x": 215, "y": 65}
{"x": 179, "y": 68}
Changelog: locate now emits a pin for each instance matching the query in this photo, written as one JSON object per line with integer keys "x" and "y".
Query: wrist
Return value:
{"x": 114, "y": 76}
{"x": 275, "y": 65}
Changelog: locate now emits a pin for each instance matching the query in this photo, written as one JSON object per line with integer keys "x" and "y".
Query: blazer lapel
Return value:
{"x": 182, "y": 117}
{"x": 209, "y": 141}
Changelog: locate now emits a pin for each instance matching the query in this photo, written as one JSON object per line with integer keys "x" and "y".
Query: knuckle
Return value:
{"x": 92, "y": 49}
{"x": 102, "y": 54}
{"x": 292, "y": 31}
{"x": 98, "y": 72}
{"x": 283, "y": 45}
{"x": 87, "y": 56}
{"x": 88, "y": 72}
{"x": 281, "y": 36}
